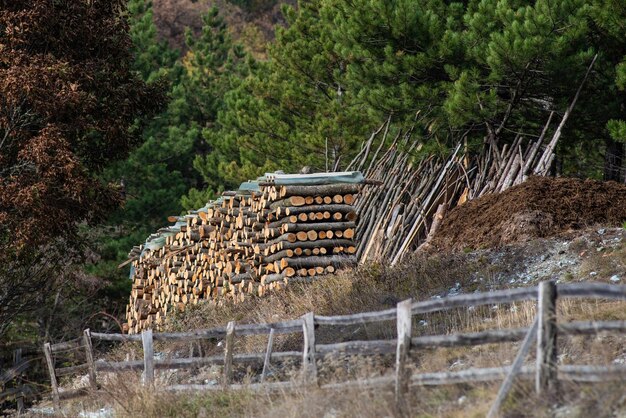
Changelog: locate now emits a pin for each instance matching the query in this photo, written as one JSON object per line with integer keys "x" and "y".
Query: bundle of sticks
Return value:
{"x": 403, "y": 215}
{"x": 279, "y": 229}
{"x": 396, "y": 217}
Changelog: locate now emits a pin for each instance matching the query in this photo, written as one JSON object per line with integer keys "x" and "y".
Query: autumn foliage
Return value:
{"x": 69, "y": 104}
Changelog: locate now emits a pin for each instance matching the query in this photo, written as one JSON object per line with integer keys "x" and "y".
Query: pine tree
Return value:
{"x": 474, "y": 70}
{"x": 290, "y": 111}
{"x": 478, "y": 69}
{"x": 213, "y": 66}
{"x": 151, "y": 186}
{"x": 162, "y": 169}
{"x": 152, "y": 57}
{"x": 609, "y": 16}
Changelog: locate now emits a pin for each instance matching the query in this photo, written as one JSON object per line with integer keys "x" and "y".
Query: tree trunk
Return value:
{"x": 613, "y": 161}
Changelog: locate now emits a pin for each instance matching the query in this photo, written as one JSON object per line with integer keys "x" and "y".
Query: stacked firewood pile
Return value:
{"x": 285, "y": 228}
{"x": 279, "y": 229}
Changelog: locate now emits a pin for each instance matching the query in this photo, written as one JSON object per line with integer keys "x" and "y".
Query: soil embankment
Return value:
{"x": 539, "y": 208}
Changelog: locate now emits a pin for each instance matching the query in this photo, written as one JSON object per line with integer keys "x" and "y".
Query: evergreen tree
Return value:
{"x": 161, "y": 170}
{"x": 472, "y": 70}
{"x": 152, "y": 57}
{"x": 290, "y": 111}
{"x": 609, "y": 17}
{"x": 213, "y": 66}
{"x": 151, "y": 188}
{"x": 479, "y": 69}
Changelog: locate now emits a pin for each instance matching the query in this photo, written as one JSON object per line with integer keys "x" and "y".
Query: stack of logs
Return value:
{"x": 248, "y": 242}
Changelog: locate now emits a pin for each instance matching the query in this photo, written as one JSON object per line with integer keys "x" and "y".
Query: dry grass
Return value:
{"x": 604, "y": 264}
{"x": 131, "y": 399}
{"x": 367, "y": 288}
{"x": 376, "y": 287}
{"x": 455, "y": 401}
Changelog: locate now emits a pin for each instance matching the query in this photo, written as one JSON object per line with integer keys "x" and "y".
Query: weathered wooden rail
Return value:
{"x": 545, "y": 330}
{"x": 22, "y": 362}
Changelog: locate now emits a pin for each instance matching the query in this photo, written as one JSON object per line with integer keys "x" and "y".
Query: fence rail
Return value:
{"x": 21, "y": 363}
{"x": 546, "y": 371}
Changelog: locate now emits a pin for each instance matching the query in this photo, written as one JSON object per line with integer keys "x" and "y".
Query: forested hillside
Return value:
{"x": 117, "y": 114}
{"x": 336, "y": 70}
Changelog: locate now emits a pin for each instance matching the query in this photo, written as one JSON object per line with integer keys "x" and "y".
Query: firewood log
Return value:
{"x": 321, "y": 190}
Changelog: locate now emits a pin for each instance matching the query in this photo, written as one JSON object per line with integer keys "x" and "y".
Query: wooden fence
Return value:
{"x": 19, "y": 390}
{"x": 545, "y": 330}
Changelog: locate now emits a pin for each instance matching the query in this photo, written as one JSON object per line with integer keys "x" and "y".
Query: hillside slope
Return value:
{"x": 250, "y": 22}
{"x": 594, "y": 254}
{"x": 581, "y": 246}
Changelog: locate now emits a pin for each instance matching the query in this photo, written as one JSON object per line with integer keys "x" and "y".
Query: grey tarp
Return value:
{"x": 353, "y": 177}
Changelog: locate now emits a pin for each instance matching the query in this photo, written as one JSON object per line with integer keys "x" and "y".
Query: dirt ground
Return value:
{"x": 539, "y": 208}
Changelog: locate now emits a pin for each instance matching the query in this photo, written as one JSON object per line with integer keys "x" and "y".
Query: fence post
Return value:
{"x": 309, "y": 368}
{"x": 89, "y": 357}
{"x": 17, "y": 359}
{"x": 268, "y": 355}
{"x": 228, "y": 353}
{"x": 403, "y": 323}
{"x": 507, "y": 384}
{"x": 546, "y": 368}
{"x": 148, "y": 357}
{"x": 53, "y": 377}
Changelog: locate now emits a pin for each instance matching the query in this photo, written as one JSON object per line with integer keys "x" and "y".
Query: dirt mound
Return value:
{"x": 540, "y": 207}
